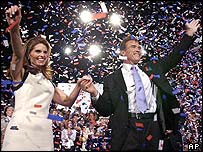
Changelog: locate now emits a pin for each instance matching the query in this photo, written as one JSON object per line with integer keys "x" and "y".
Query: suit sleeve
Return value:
{"x": 104, "y": 104}
{"x": 177, "y": 54}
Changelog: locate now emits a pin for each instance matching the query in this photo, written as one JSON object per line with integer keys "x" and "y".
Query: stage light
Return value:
{"x": 94, "y": 50}
{"x": 67, "y": 50}
{"x": 86, "y": 16}
{"x": 115, "y": 19}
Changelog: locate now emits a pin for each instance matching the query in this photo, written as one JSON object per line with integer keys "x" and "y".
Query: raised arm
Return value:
{"x": 61, "y": 98}
{"x": 180, "y": 49}
{"x": 192, "y": 27}
{"x": 13, "y": 16}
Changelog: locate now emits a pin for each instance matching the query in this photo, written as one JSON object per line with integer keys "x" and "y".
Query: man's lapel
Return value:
{"x": 120, "y": 80}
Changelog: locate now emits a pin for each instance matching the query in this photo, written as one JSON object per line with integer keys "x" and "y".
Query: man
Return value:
{"x": 132, "y": 128}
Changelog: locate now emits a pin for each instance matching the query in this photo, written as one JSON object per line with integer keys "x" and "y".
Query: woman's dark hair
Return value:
{"x": 28, "y": 46}
{"x": 31, "y": 43}
{"x": 5, "y": 110}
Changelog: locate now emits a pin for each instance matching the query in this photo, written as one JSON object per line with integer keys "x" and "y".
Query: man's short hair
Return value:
{"x": 128, "y": 38}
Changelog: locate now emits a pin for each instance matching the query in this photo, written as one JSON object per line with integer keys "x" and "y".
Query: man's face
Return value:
{"x": 132, "y": 52}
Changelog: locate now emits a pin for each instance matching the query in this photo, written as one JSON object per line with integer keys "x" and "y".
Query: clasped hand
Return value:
{"x": 86, "y": 83}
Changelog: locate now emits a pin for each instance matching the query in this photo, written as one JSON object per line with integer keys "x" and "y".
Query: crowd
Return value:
{"x": 81, "y": 132}
{"x": 88, "y": 134}
{"x": 73, "y": 130}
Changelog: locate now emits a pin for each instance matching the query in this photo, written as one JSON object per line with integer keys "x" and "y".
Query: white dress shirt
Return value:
{"x": 148, "y": 88}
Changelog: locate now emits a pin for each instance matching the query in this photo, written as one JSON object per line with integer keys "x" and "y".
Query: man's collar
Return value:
{"x": 128, "y": 66}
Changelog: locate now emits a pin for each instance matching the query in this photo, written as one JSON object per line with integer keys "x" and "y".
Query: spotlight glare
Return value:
{"x": 115, "y": 19}
{"x": 86, "y": 16}
{"x": 94, "y": 50}
{"x": 67, "y": 50}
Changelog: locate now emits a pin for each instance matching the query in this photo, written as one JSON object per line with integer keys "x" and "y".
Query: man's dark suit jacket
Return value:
{"x": 114, "y": 100}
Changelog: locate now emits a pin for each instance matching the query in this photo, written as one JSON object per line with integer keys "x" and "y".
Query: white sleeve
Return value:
{"x": 96, "y": 97}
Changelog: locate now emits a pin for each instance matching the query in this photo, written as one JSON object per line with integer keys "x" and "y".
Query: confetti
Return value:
{"x": 8, "y": 29}
{"x": 59, "y": 22}
{"x": 55, "y": 117}
{"x": 37, "y": 106}
{"x": 149, "y": 137}
{"x": 139, "y": 124}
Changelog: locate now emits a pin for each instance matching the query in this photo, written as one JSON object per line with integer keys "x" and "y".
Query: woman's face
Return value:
{"x": 39, "y": 55}
{"x": 9, "y": 111}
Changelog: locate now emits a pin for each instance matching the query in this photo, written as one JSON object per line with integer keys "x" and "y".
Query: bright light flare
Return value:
{"x": 94, "y": 50}
{"x": 115, "y": 19}
{"x": 86, "y": 16}
{"x": 67, "y": 50}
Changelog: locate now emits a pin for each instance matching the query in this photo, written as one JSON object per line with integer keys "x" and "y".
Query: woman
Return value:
{"x": 29, "y": 128}
{"x": 5, "y": 118}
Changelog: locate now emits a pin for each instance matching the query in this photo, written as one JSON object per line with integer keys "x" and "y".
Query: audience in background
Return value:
{"x": 189, "y": 94}
{"x": 5, "y": 118}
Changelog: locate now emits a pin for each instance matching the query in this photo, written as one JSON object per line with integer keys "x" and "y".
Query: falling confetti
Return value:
{"x": 158, "y": 26}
